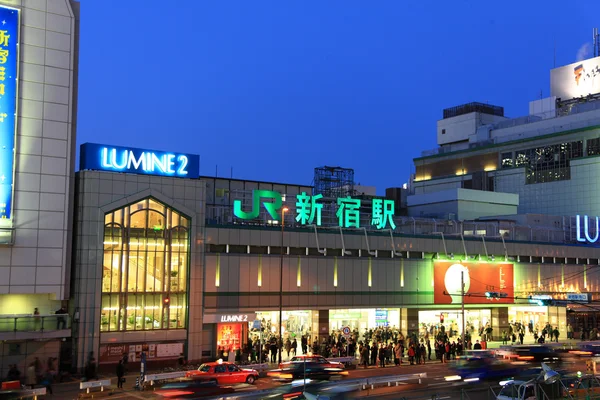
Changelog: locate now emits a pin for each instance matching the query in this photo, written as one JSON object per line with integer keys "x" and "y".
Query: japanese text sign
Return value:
{"x": 309, "y": 209}
{"x": 9, "y": 52}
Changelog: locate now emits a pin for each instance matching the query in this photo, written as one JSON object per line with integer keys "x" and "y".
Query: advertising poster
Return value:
{"x": 229, "y": 336}
{"x": 112, "y": 353}
{"x": 479, "y": 278}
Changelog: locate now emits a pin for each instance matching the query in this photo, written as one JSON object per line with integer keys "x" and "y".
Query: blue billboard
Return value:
{"x": 131, "y": 160}
{"x": 9, "y": 61}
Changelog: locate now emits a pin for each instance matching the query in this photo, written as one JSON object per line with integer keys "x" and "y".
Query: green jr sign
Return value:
{"x": 309, "y": 209}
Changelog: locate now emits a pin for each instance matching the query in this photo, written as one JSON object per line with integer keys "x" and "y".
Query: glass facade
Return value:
{"x": 145, "y": 268}
{"x": 549, "y": 163}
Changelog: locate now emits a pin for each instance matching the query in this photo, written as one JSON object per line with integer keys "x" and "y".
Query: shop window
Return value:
{"x": 145, "y": 268}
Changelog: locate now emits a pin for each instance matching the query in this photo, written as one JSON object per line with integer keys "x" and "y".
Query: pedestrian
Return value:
{"x": 90, "y": 370}
{"x": 120, "y": 374}
{"x": 397, "y": 354}
{"x": 382, "y": 351}
{"x": 364, "y": 356}
{"x": 30, "y": 377}
{"x": 61, "y": 321}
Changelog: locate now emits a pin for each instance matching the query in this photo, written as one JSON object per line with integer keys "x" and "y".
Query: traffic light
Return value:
{"x": 441, "y": 318}
{"x": 166, "y": 301}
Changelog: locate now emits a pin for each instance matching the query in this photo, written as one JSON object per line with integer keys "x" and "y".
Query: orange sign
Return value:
{"x": 229, "y": 336}
{"x": 479, "y": 278}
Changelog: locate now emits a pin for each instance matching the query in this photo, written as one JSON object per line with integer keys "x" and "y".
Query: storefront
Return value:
{"x": 364, "y": 319}
{"x": 232, "y": 330}
{"x": 431, "y": 322}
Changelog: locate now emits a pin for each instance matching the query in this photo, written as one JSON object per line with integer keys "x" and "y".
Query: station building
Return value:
{"x": 147, "y": 256}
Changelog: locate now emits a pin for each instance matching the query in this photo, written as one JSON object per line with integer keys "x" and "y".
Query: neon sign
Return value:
{"x": 589, "y": 237}
{"x": 309, "y": 209}
{"x": 9, "y": 52}
{"x": 138, "y": 161}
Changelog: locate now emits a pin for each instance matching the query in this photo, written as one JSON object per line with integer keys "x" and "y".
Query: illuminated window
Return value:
{"x": 145, "y": 268}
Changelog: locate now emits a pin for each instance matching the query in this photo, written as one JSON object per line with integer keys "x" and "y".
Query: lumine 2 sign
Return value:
{"x": 139, "y": 161}
{"x": 589, "y": 235}
{"x": 309, "y": 209}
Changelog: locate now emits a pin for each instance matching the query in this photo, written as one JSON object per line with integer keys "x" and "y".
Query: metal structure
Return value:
{"x": 332, "y": 183}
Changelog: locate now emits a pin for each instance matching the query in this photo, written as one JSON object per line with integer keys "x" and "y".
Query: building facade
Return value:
{"x": 38, "y": 97}
{"x": 168, "y": 264}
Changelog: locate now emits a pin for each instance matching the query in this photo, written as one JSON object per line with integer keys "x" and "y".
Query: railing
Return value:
{"x": 510, "y": 230}
{"x": 34, "y": 323}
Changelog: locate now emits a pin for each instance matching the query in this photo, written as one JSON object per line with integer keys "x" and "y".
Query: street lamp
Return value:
{"x": 280, "y": 344}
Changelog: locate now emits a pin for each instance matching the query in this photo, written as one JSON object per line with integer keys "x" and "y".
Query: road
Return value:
{"x": 434, "y": 385}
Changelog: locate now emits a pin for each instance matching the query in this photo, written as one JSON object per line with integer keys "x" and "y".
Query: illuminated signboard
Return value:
{"x": 479, "y": 278}
{"x": 9, "y": 54}
{"x": 138, "y": 161}
{"x": 575, "y": 80}
{"x": 308, "y": 209}
{"x": 587, "y": 232}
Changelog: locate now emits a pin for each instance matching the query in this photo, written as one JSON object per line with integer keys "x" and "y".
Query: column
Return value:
{"x": 499, "y": 322}
{"x": 323, "y": 325}
{"x": 411, "y": 317}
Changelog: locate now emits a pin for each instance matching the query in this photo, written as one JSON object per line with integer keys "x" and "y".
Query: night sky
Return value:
{"x": 273, "y": 89}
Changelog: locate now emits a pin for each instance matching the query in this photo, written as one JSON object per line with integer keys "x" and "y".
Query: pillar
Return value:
{"x": 323, "y": 332}
{"x": 411, "y": 321}
{"x": 499, "y": 322}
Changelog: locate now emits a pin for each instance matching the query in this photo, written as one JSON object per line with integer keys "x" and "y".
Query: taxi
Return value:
{"x": 314, "y": 359}
{"x": 223, "y": 373}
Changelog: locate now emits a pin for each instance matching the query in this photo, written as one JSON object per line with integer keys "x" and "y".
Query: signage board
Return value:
{"x": 9, "y": 61}
{"x": 131, "y": 160}
{"x": 575, "y": 80}
{"x": 578, "y": 297}
{"x": 588, "y": 229}
{"x": 113, "y": 352}
{"x": 381, "y": 317}
{"x": 228, "y": 318}
{"x": 308, "y": 209}
{"x": 479, "y": 278}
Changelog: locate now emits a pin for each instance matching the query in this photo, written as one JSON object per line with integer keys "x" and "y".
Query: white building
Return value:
{"x": 550, "y": 158}
{"x": 38, "y": 51}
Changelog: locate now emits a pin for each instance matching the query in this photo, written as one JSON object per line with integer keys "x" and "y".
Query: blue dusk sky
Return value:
{"x": 272, "y": 89}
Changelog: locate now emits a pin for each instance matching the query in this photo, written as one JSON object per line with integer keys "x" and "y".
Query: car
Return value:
{"x": 192, "y": 389}
{"x": 314, "y": 359}
{"x": 223, "y": 373}
{"x": 311, "y": 368}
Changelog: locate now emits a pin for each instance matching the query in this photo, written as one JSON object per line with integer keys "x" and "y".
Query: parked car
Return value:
{"x": 223, "y": 373}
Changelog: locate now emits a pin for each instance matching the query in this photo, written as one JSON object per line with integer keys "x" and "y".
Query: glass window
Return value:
{"x": 506, "y": 160}
{"x": 593, "y": 147}
{"x": 145, "y": 268}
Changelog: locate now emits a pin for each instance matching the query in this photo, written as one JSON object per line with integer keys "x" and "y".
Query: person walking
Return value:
{"x": 364, "y": 356}
{"x": 120, "y": 374}
{"x": 397, "y": 354}
{"x": 382, "y": 351}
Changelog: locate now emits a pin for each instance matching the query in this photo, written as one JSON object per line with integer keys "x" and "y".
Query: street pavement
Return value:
{"x": 435, "y": 383}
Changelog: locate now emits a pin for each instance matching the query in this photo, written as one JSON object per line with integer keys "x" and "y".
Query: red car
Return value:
{"x": 223, "y": 373}
{"x": 315, "y": 359}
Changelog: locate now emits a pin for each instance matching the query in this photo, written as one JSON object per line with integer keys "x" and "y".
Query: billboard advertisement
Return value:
{"x": 576, "y": 80}
{"x": 112, "y": 353}
{"x": 479, "y": 278}
{"x": 9, "y": 53}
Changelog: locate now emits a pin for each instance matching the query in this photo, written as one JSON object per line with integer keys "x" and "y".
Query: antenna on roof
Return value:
{"x": 596, "y": 42}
